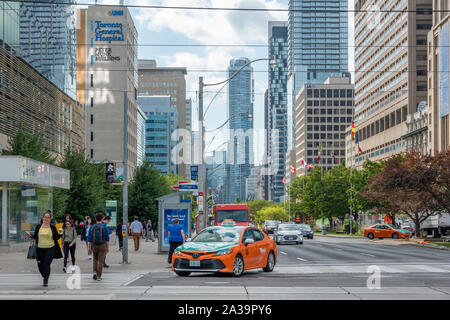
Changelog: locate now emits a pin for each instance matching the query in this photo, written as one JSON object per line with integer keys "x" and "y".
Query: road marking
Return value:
{"x": 283, "y": 252}
{"x": 366, "y": 254}
{"x": 302, "y": 259}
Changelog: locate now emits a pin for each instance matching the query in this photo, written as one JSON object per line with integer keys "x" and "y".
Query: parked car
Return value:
{"x": 270, "y": 226}
{"x": 385, "y": 231}
{"x": 228, "y": 249}
{"x": 306, "y": 231}
{"x": 288, "y": 232}
{"x": 410, "y": 227}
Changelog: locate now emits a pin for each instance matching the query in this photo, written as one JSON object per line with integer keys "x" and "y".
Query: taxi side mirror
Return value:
{"x": 248, "y": 241}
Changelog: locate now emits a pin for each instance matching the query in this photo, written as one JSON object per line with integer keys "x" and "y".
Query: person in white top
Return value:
{"x": 137, "y": 230}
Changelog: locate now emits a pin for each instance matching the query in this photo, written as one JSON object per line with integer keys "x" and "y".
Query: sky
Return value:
{"x": 199, "y": 29}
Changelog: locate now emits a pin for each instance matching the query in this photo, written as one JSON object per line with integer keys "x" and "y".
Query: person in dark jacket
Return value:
{"x": 119, "y": 234}
{"x": 46, "y": 236}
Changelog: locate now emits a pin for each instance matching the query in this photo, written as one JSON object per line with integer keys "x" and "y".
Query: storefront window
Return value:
{"x": 26, "y": 205}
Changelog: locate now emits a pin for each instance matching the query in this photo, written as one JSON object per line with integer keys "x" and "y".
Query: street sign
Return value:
{"x": 194, "y": 173}
{"x": 200, "y": 212}
{"x": 124, "y": 231}
{"x": 188, "y": 186}
{"x": 174, "y": 187}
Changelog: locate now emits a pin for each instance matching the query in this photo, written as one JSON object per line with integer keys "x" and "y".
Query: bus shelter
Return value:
{"x": 26, "y": 188}
{"x": 172, "y": 207}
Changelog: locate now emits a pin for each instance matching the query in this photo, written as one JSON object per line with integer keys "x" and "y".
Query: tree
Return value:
{"x": 396, "y": 187}
{"x": 273, "y": 213}
{"x": 147, "y": 185}
{"x": 30, "y": 146}
{"x": 255, "y": 205}
{"x": 86, "y": 193}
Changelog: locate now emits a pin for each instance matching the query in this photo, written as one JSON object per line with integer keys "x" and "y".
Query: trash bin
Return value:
{"x": 324, "y": 229}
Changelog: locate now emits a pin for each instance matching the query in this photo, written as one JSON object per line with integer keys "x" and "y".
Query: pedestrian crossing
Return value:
{"x": 384, "y": 268}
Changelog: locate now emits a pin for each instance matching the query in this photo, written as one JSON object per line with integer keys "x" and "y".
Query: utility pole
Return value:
{"x": 201, "y": 131}
{"x": 125, "y": 179}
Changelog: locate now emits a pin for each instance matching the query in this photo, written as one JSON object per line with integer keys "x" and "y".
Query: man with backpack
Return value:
{"x": 98, "y": 240}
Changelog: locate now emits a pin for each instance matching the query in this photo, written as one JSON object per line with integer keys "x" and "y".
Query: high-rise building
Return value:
{"x": 251, "y": 184}
{"x": 161, "y": 123}
{"x": 10, "y": 25}
{"x": 106, "y": 71}
{"x": 438, "y": 78}
{"x": 170, "y": 81}
{"x": 277, "y": 107}
{"x": 391, "y": 74}
{"x": 48, "y": 41}
{"x": 31, "y": 101}
{"x": 140, "y": 136}
{"x": 318, "y": 47}
{"x": 240, "y": 115}
{"x": 324, "y": 112}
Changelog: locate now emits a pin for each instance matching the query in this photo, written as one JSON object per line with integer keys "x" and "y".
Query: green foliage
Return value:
{"x": 172, "y": 179}
{"x": 256, "y": 205}
{"x": 147, "y": 185}
{"x": 30, "y": 146}
{"x": 272, "y": 213}
{"x": 86, "y": 195}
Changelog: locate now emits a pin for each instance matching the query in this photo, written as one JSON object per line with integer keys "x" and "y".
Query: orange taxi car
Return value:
{"x": 385, "y": 231}
{"x": 226, "y": 248}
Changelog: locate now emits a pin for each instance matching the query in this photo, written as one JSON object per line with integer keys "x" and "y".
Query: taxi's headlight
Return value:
{"x": 178, "y": 253}
{"x": 222, "y": 253}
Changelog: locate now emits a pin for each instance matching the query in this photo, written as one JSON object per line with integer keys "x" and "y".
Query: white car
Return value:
{"x": 286, "y": 233}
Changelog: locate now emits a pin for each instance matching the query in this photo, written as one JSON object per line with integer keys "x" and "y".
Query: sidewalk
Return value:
{"x": 147, "y": 258}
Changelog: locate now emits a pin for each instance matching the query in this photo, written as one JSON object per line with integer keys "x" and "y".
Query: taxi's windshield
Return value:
{"x": 218, "y": 234}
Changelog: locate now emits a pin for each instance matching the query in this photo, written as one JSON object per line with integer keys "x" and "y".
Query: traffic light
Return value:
{"x": 297, "y": 219}
{"x": 110, "y": 171}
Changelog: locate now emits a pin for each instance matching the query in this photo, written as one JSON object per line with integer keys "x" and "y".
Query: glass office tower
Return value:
{"x": 48, "y": 41}
{"x": 240, "y": 115}
{"x": 318, "y": 47}
{"x": 277, "y": 107}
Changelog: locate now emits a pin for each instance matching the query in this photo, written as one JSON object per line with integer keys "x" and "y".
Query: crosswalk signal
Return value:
{"x": 297, "y": 219}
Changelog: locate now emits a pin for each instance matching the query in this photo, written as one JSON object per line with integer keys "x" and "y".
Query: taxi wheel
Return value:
{"x": 270, "y": 263}
{"x": 238, "y": 266}
{"x": 370, "y": 236}
{"x": 395, "y": 236}
{"x": 182, "y": 273}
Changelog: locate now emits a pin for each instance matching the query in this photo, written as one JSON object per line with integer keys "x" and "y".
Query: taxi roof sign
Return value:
{"x": 228, "y": 222}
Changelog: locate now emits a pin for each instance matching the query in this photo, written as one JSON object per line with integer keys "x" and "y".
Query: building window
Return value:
{"x": 92, "y": 80}
{"x": 92, "y": 153}
{"x": 92, "y": 102}
{"x": 92, "y": 136}
{"x": 92, "y": 119}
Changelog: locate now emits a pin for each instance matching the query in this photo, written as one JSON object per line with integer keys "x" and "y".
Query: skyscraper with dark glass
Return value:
{"x": 277, "y": 108}
{"x": 240, "y": 115}
{"x": 48, "y": 41}
{"x": 318, "y": 47}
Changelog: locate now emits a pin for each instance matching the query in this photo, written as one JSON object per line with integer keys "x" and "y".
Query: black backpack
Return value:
{"x": 97, "y": 234}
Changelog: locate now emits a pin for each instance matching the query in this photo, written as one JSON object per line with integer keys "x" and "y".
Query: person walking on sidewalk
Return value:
{"x": 119, "y": 234}
{"x": 87, "y": 228}
{"x": 46, "y": 236}
{"x": 149, "y": 232}
{"x": 176, "y": 237}
{"x": 137, "y": 231}
{"x": 98, "y": 239}
{"x": 144, "y": 227}
{"x": 69, "y": 239}
{"x": 106, "y": 221}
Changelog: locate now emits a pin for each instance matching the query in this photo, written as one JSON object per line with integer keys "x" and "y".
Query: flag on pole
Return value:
{"x": 303, "y": 162}
{"x": 309, "y": 166}
{"x": 284, "y": 180}
{"x": 357, "y": 143}
{"x": 353, "y": 131}
{"x": 292, "y": 169}
{"x": 320, "y": 151}
{"x": 333, "y": 156}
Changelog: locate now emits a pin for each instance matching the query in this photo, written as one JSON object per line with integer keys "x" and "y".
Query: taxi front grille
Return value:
{"x": 206, "y": 264}
{"x": 197, "y": 255}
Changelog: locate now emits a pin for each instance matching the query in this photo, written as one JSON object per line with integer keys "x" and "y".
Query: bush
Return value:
{"x": 354, "y": 228}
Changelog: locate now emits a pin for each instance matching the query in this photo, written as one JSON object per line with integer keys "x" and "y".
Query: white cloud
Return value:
{"x": 212, "y": 27}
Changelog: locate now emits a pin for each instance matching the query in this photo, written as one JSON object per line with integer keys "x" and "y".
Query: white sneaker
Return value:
{"x": 73, "y": 269}
{"x": 90, "y": 257}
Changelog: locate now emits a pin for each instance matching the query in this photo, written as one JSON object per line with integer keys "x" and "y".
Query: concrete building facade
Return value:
{"x": 154, "y": 80}
{"x": 106, "y": 70}
{"x": 391, "y": 74}
{"x": 324, "y": 111}
{"x": 438, "y": 78}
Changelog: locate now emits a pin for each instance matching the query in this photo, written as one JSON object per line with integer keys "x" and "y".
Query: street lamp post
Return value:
{"x": 201, "y": 85}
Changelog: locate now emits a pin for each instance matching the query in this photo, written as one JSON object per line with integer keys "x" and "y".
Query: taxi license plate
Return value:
{"x": 194, "y": 263}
